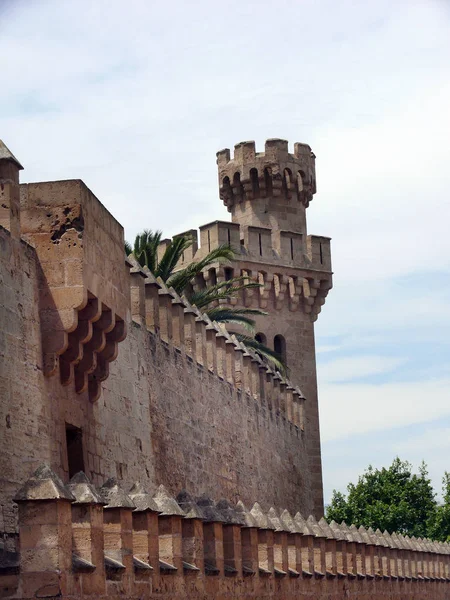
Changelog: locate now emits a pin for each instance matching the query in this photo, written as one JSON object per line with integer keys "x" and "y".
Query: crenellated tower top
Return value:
{"x": 268, "y": 189}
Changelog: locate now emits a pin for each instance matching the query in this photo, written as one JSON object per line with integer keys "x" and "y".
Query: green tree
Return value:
{"x": 439, "y": 523}
{"x": 392, "y": 499}
{"x": 145, "y": 250}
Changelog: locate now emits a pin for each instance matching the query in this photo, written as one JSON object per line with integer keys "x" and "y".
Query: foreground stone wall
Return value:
{"x": 77, "y": 541}
{"x": 183, "y": 404}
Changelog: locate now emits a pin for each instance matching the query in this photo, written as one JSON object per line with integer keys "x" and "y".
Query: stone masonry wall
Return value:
{"x": 161, "y": 417}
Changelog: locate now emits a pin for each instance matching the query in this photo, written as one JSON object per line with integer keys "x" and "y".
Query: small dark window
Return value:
{"x": 212, "y": 276}
{"x": 228, "y": 273}
{"x": 255, "y": 181}
{"x": 292, "y": 249}
{"x": 209, "y": 242}
{"x": 261, "y": 338}
{"x": 268, "y": 181}
{"x": 229, "y": 237}
{"x": 321, "y": 254}
{"x": 237, "y": 185}
{"x": 260, "y": 244}
{"x": 279, "y": 345}
{"x": 74, "y": 441}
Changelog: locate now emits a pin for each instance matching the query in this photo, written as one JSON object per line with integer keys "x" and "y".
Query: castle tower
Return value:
{"x": 268, "y": 194}
{"x": 268, "y": 189}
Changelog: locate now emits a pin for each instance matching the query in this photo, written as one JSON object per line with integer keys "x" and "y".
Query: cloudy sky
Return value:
{"x": 135, "y": 98}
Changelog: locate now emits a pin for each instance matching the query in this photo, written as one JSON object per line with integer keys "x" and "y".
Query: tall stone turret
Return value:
{"x": 268, "y": 189}
{"x": 267, "y": 194}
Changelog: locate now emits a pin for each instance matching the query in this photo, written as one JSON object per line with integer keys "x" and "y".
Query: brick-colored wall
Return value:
{"x": 161, "y": 417}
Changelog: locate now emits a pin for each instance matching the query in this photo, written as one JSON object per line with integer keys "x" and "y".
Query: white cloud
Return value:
{"x": 356, "y": 367}
{"x": 347, "y": 409}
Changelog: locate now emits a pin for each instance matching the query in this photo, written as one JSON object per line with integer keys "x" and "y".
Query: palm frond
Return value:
{"x": 180, "y": 279}
{"x": 267, "y": 354}
{"x": 128, "y": 248}
{"x": 170, "y": 259}
{"x": 221, "y": 291}
{"x": 232, "y": 315}
{"x": 146, "y": 248}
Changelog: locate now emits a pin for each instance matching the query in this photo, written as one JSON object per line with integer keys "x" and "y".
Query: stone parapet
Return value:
{"x": 207, "y": 550}
{"x": 294, "y": 270}
{"x": 184, "y": 327}
{"x": 83, "y": 290}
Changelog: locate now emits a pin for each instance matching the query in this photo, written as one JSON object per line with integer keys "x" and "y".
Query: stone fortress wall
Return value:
{"x": 267, "y": 194}
{"x": 105, "y": 372}
{"x": 78, "y": 541}
{"x": 103, "y": 369}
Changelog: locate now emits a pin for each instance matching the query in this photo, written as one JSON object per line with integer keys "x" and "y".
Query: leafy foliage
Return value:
{"x": 394, "y": 499}
{"x": 145, "y": 250}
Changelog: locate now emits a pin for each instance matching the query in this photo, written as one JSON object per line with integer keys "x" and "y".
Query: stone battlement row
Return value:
{"x": 294, "y": 270}
{"x": 177, "y": 322}
{"x": 78, "y": 541}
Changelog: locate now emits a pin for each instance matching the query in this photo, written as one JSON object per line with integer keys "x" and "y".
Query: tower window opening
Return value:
{"x": 209, "y": 241}
{"x": 321, "y": 254}
{"x": 255, "y": 181}
{"x": 261, "y": 338}
{"x": 237, "y": 185}
{"x": 300, "y": 179}
{"x": 212, "y": 276}
{"x": 228, "y": 273}
{"x": 229, "y": 237}
{"x": 74, "y": 444}
{"x": 268, "y": 181}
{"x": 260, "y": 244}
{"x": 279, "y": 345}
{"x": 287, "y": 178}
{"x": 292, "y": 249}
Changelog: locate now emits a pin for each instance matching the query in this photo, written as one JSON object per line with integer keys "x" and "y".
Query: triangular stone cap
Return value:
{"x": 288, "y": 522}
{"x": 189, "y": 506}
{"x": 142, "y": 499}
{"x": 364, "y": 535}
{"x": 314, "y": 526}
{"x": 230, "y": 515}
{"x": 275, "y": 520}
{"x": 302, "y": 525}
{"x": 381, "y": 539}
{"x": 246, "y": 515}
{"x": 167, "y": 505}
{"x": 209, "y": 510}
{"x": 326, "y": 529}
{"x": 83, "y": 490}
{"x": 356, "y": 535}
{"x": 114, "y": 495}
{"x": 261, "y": 519}
{"x": 408, "y": 543}
{"x": 44, "y": 484}
{"x": 388, "y": 538}
{"x": 414, "y": 544}
{"x": 338, "y": 534}
{"x": 373, "y": 538}
{"x": 6, "y": 154}
{"x": 346, "y": 531}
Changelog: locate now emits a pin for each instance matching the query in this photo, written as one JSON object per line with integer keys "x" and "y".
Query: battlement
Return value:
{"x": 274, "y": 173}
{"x": 183, "y": 326}
{"x": 77, "y": 541}
{"x": 294, "y": 269}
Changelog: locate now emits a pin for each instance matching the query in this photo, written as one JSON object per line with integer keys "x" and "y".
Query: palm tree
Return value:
{"x": 145, "y": 250}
